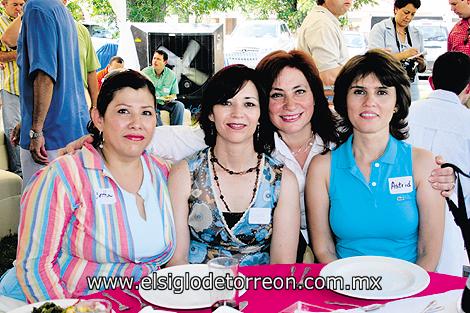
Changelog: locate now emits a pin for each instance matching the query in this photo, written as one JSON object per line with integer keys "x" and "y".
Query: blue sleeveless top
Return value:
{"x": 210, "y": 235}
{"x": 380, "y": 217}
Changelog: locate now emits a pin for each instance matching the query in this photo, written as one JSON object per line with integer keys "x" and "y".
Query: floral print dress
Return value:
{"x": 210, "y": 235}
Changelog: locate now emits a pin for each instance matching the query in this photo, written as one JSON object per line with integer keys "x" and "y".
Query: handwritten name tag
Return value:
{"x": 260, "y": 216}
{"x": 402, "y": 184}
{"x": 105, "y": 196}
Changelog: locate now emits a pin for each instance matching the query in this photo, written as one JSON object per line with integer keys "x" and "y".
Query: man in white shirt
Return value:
{"x": 320, "y": 36}
{"x": 441, "y": 123}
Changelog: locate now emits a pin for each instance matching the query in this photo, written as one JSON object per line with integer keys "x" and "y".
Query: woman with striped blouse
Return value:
{"x": 104, "y": 211}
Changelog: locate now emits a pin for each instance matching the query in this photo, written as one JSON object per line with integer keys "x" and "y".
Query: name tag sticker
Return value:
{"x": 105, "y": 196}
{"x": 260, "y": 216}
{"x": 399, "y": 185}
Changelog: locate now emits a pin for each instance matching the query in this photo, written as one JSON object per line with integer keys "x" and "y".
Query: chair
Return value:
{"x": 10, "y": 193}
{"x": 165, "y": 116}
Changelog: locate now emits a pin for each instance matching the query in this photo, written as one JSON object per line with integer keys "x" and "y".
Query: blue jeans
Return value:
{"x": 30, "y": 167}
{"x": 11, "y": 117}
{"x": 176, "y": 110}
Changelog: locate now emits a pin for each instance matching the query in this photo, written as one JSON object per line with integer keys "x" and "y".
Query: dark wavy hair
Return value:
{"x": 403, "y": 3}
{"x": 224, "y": 85}
{"x": 115, "y": 81}
{"x": 390, "y": 73}
{"x": 323, "y": 121}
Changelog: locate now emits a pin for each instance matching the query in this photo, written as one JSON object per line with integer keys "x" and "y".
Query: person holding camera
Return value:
{"x": 405, "y": 42}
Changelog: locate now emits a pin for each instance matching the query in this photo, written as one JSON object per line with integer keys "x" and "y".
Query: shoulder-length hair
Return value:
{"x": 224, "y": 85}
{"x": 390, "y": 73}
{"x": 323, "y": 121}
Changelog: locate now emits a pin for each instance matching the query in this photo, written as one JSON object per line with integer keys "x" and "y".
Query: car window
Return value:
{"x": 433, "y": 33}
{"x": 354, "y": 40}
{"x": 255, "y": 30}
{"x": 98, "y": 31}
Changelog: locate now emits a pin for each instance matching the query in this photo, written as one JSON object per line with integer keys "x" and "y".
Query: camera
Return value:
{"x": 411, "y": 68}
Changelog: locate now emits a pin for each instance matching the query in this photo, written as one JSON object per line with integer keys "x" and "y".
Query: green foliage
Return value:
{"x": 291, "y": 11}
{"x": 146, "y": 10}
{"x": 76, "y": 10}
{"x": 101, "y": 7}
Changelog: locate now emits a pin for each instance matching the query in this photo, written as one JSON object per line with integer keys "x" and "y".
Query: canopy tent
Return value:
{"x": 126, "y": 49}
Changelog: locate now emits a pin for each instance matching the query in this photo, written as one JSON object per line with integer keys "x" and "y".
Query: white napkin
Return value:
{"x": 226, "y": 309}
{"x": 8, "y": 304}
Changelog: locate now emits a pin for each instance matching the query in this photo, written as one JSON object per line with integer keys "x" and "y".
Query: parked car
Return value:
{"x": 356, "y": 42}
{"x": 251, "y": 40}
{"x": 435, "y": 39}
{"x": 100, "y": 35}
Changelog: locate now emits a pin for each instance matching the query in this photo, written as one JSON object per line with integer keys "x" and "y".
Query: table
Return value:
{"x": 267, "y": 301}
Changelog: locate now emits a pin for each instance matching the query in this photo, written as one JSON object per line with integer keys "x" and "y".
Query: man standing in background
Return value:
{"x": 459, "y": 36}
{"x": 320, "y": 35}
{"x": 53, "y": 107}
{"x": 10, "y": 87}
{"x": 88, "y": 63}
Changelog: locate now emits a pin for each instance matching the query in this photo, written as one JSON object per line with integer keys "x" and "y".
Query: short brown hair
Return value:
{"x": 390, "y": 73}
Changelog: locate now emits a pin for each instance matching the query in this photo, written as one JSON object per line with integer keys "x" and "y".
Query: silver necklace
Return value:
{"x": 304, "y": 147}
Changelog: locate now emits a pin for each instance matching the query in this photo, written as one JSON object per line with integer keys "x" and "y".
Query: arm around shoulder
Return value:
{"x": 318, "y": 207}
{"x": 286, "y": 221}
{"x": 179, "y": 186}
{"x": 431, "y": 211}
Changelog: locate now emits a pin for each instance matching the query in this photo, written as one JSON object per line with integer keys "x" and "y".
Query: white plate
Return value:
{"x": 29, "y": 308}
{"x": 399, "y": 278}
{"x": 188, "y": 299}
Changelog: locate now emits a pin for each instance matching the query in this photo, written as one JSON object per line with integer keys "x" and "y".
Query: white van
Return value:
{"x": 435, "y": 39}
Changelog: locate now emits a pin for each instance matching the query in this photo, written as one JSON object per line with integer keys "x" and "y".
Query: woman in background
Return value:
{"x": 401, "y": 39}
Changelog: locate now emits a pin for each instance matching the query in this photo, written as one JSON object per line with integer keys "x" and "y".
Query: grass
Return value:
{"x": 7, "y": 252}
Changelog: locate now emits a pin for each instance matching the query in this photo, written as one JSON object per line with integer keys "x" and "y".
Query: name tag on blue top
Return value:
{"x": 398, "y": 185}
{"x": 260, "y": 216}
{"x": 105, "y": 196}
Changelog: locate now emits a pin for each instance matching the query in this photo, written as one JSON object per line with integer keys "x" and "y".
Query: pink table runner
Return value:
{"x": 267, "y": 301}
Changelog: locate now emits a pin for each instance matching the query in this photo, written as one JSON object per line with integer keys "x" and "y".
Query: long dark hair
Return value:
{"x": 390, "y": 73}
{"x": 224, "y": 85}
{"x": 115, "y": 81}
{"x": 323, "y": 121}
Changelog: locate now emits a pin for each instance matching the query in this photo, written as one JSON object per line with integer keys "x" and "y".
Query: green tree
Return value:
{"x": 291, "y": 11}
{"x": 76, "y": 10}
{"x": 146, "y": 10}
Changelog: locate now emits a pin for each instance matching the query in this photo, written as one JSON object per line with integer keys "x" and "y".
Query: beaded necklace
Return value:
{"x": 213, "y": 160}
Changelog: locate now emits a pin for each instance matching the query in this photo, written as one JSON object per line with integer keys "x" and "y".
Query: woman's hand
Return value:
{"x": 75, "y": 145}
{"x": 421, "y": 63}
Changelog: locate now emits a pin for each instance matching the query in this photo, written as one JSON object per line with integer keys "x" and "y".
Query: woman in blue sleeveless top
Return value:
{"x": 232, "y": 198}
{"x": 371, "y": 195}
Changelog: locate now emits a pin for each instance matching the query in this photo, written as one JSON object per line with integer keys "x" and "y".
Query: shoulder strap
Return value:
{"x": 460, "y": 212}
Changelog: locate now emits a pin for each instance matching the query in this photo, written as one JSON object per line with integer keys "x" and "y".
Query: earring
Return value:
{"x": 212, "y": 130}
{"x": 101, "y": 140}
{"x": 395, "y": 110}
{"x": 257, "y": 133}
